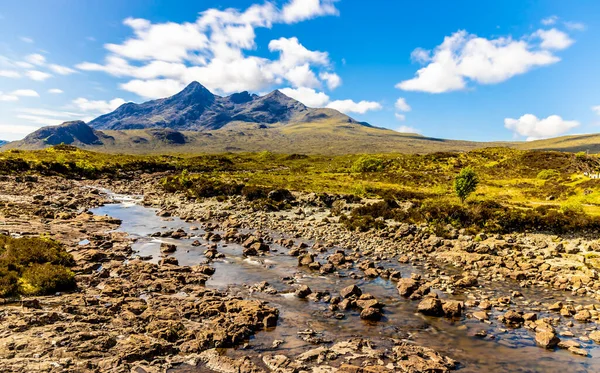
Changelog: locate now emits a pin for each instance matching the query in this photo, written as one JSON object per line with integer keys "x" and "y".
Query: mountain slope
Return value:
{"x": 574, "y": 143}
{"x": 197, "y": 109}
{"x": 75, "y": 133}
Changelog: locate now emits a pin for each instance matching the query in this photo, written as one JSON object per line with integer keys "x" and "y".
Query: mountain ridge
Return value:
{"x": 195, "y": 108}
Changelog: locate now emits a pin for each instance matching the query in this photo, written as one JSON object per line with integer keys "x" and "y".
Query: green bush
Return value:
{"x": 368, "y": 163}
{"x": 548, "y": 174}
{"x": 34, "y": 266}
{"x": 465, "y": 183}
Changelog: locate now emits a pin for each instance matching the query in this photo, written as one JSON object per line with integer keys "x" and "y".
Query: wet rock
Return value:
{"x": 452, "y": 308}
{"x": 305, "y": 260}
{"x": 350, "y": 291}
{"x": 371, "y": 313}
{"x": 167, "y": 248}
{"x": 406, "y": 286}
{"x": 583, "y": 316}
{"x": 168, "y": 261}
{"x": 578, "y": 351}
{"x": 512, "y": 318}
{"x": 249, "y": 251}
{"x": 430, "y": 306}
{"x": 595, "y": 336}
{"x": 466, "y": 281}
{"x": 481, "y": 315}
{"x": 303, "y": 291}
{"x": 546, "y": 339}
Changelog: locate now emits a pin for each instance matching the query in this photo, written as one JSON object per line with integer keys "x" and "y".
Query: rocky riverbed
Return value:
{"x": 169, "y": 283}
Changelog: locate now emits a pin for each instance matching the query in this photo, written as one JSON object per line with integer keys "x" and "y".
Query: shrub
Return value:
{"x": 368, "y": 163}
{"x": 465, "y": 183}
{"x": 34, "y": 266}
{"x": 547, "y": 174}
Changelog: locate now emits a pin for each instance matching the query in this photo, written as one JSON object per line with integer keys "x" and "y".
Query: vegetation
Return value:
{"x": 34, "y": 266}
{"x": 516, "y": 191}
{"x": 465, "y": 183}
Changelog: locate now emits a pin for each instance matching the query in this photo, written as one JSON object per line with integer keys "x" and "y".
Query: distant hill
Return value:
{"x": 75, "y": 133}
{"x": 2, "y": 142}
{"x": 575, "y": 143}
{"x": 197, "y": 109}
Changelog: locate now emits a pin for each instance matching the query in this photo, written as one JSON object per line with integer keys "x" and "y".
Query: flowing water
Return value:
{"x": 509, "y": 351}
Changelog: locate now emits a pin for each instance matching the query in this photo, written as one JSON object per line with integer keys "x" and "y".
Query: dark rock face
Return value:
{"x": 197, "y": 109}
{"x": 76, "y": 132}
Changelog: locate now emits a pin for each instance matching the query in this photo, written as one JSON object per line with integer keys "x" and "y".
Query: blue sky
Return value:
{"x": 464, "y": 70}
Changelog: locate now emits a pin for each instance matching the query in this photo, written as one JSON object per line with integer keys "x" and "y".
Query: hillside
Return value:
{"x": 575, "y": 143}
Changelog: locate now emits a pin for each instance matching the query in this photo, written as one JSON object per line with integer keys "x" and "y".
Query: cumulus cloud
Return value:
{"x": 25, "y": 93}
{"x": 25, "y": 39}
{"x": 61, "y": 70}
{"x": 8, "y": 97}
{"x": 154, "y": 88}
{"x": 307, "y": 96}
{"x": 407, "y": 129}
{"x": 35, "y": 59}
{"x": 349, "y": 106}
{"x": 55, "y": 91}
{"x": 99, "y": 106}
{"x": 575, "y": 26}
{"x": 464, "y": 57}
{"x": 534, "y": 128}
{"x": 300, "y": 10}
{"x": 402, "y": 105}
{"x": 37, "y": 75}
{"x": 10, "y": 74}
{"x": 214, "y": 50}
{"x": 554, "y": 39}
{"x": 400, "y": 117}
{"x": 333, "y": 80}
{"x": 40, "y": 120}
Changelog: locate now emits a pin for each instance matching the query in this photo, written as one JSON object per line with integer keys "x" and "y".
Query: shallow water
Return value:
{"x": 511, "y": 351}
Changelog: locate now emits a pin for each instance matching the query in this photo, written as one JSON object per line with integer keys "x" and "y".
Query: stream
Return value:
{"x": 509, "y": 351}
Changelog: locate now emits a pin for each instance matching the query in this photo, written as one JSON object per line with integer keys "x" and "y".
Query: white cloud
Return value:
{"x": 8, "y": 97}
{"x": 596, "y": 109}
{"x": 549, "y": 21}
{"x": 55, "y": 91}
{"x": 307, "y": 96}
{"x": 38, "y": 75}
{"x": 462, "y": 57}
{"x": 400, "y": 117}
{"x": 333, "y": 80}
{"x": 25, "y": 39}
{"x": 575, "y": 26}
{"x": 153, "y": 88}
{"x": 12, "y": 132}
{"x": 349, "y": 106}
{"x": 554, "y": 39}
{"x": 420, "y": 55}
{"x": 61, "y": 70}
{"x": 534, "y": 128}
{"x": 25, "y": 93}
{"x": 402, "y": 105}
{"x": 407, "y": 129}
{"x": 10, "y": 74}
{"x": 40, "y": 120}
{"x": 35, "y": 59}
{"x": 213, "y": 51}
{"x": 98, "y": 106}
{"x": 50, "y": 113}
{"x": 300, "y": 10}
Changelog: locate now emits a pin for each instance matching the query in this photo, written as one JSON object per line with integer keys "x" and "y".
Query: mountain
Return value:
{"x": 2, "y": 142}
{"x": 197, "y": 109}
{"x": 75, "y": 133}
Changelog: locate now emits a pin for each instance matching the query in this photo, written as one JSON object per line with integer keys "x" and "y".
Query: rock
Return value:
{"x": 466, "y": 281}
{"x": 370, "y": 313}
{"x": 406, "y": 286}
{"x": 167, "y": 248}
{"x": 303, "y": 291}
{"x": 431, "y": 307}
{"x": 31, "y": 303}
{"x": 583, "y": 316}
{"x": 452, "y": 308}
{"x": 595, "y": 336}
{"x": 349, "y": 291}
{"x": 168, "y": 261}
{"x": 249, "y": 251}
{"x": 371, "y": 272}
{"x": 555, "y": 307}
{"x": 305, "y": 260}
{"x": 546, "y": 339}
{"x": 481, "y": 315}
{"x": 512, "y": 317}
{"x": 578, "y": 351}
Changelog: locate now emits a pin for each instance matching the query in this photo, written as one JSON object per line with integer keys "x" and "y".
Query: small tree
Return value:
{"x": 465, "y": 183}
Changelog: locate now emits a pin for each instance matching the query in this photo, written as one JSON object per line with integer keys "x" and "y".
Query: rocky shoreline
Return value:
{"x": 132, "y": 315}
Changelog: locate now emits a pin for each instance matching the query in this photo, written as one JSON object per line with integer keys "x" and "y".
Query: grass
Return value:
{"x": 34, "y": 266}
{"x": 540, "y": 183}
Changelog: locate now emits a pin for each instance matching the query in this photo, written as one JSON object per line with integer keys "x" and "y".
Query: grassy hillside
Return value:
{"x": 330, "y": 137}
{"x": 576, "y": 143}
